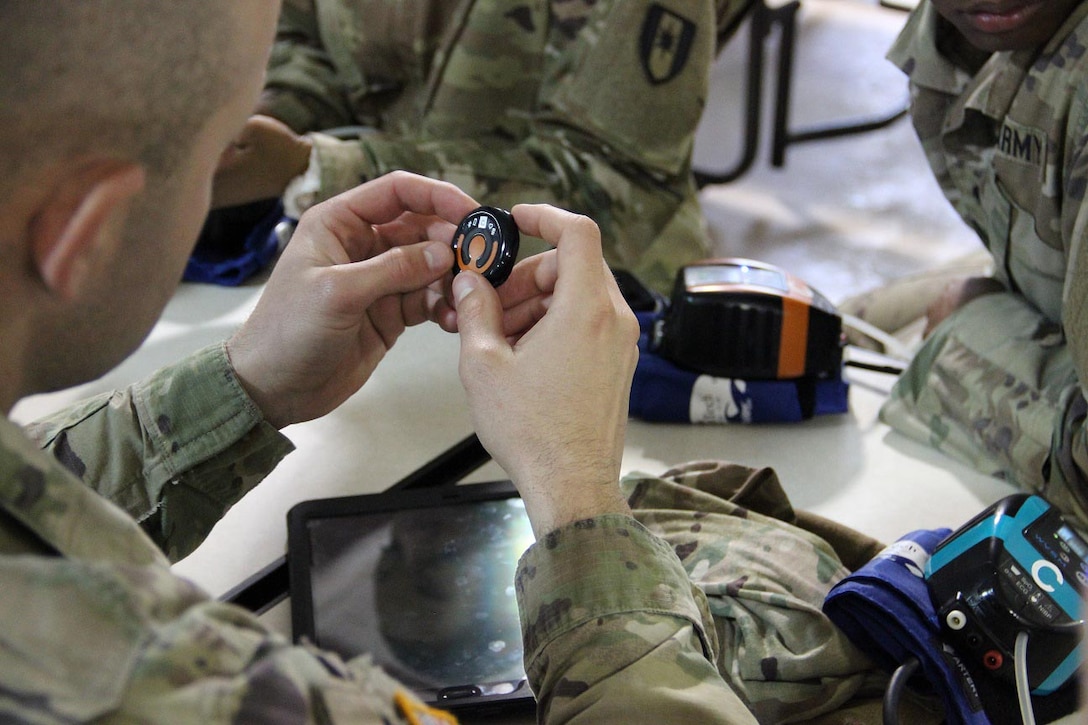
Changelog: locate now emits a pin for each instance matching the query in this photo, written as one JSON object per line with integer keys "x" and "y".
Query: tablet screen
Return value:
{"x": 427, "y": 591}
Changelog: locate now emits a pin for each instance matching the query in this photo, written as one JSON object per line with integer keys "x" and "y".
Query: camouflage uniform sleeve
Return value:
{"x": 302, "y": 87}
{"x": 1009, "y": 404}
{"x": 615, "y": 631}
{"x": 619, "y": 152}
{"x": 1070, "y": 469}
{"x": 175, "y": 451}
{"x": 127, "y": 643}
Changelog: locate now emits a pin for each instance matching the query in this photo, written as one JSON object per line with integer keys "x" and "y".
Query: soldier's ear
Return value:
{"x": 79, "y": 221}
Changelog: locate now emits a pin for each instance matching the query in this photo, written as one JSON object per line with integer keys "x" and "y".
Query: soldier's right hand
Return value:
{"x": 547, "y": 361}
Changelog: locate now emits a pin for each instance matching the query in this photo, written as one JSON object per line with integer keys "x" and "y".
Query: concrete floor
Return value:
{"x": 844, "y": 214}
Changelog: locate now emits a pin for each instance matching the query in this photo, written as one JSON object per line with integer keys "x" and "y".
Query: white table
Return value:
{"x": 850, "y": 468}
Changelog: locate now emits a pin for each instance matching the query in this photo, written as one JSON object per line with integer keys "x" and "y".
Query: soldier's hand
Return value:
{"x": 360, "y": 268}
{"x": 260, "y": 163}
{"x": 957, "y": 294}
{"x": 547, "y": 361}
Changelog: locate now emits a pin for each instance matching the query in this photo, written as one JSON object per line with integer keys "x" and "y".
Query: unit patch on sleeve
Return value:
{"x": 665, "y": 43}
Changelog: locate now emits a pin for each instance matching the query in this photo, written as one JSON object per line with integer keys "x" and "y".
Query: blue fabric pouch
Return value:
{"x": 235, "y": 243}
{"x": 885, "y": 609}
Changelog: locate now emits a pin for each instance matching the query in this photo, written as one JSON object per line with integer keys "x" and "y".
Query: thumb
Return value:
{"x": 479, "y": 313}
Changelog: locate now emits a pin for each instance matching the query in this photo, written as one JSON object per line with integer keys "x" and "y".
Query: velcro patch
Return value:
{"x": 1022, "y": 143}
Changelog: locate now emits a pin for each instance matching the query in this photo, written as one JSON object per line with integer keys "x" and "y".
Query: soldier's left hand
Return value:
{"x": 955, "y": 295}
{"x": 359, "y": 269}
{"x": 260, "y": 163}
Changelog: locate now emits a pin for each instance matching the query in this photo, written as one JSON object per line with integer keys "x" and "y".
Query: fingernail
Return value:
{"x": 434, "y": 258}
{"x": 462, "y": 285}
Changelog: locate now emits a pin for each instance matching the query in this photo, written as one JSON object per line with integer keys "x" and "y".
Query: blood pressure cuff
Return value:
{"x": 235, "y": 243}
{"x": 884, "y": 608}
{"x": 663, "y": 392}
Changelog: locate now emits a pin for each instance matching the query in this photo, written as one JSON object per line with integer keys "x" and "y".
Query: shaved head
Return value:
{"x": 92, "y": 90}
{"x": 131, "y": 77}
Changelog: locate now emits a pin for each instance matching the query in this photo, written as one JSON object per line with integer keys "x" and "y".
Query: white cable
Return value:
{"x": 1020, "y": 668}
{"x": 892, "y": 346}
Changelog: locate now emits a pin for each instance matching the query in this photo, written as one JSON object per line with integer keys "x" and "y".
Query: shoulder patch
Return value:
{"x": 1022, "y": 143}
{"x": 665, "y": 43}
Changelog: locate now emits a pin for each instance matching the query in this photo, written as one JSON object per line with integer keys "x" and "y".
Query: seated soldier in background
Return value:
{"x": 113, "y": 115}
{"x": 701, "y": 605}
{"x": 590, "y": 106}
{"x": 1000, "y": 103}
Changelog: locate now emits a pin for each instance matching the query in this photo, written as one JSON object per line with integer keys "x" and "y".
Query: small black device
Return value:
{"x": 1015, "y": 568}
{"x": 738, "y": 318}
{"x": 486, "y": 241}
{"x": 423, "y": 581}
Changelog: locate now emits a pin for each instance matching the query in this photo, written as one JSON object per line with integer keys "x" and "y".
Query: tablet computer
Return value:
{"x": 423, "y": 581}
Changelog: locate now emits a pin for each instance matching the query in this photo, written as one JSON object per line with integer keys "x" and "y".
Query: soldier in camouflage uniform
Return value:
{"x": 713, "y": 618}
{"x": 1003, "y": 119}
{"x": 102, "y": 589}
{"x": 591, "y": 106}
{"x": 96, "y": 209}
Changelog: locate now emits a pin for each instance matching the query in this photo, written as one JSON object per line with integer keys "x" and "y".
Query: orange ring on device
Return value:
{"x": 486, "y": 241}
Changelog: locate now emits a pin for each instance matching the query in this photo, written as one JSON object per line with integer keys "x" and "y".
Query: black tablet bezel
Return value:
{"x": 461, "y": 699}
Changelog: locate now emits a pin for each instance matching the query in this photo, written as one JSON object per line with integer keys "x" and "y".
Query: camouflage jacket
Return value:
{"x": 1000, "y": 383}
{"x": 590, "y": 106}
{"x": 96, "y": 627}
{"x": 713, "y": 595}
{"x": 759, "y": 572}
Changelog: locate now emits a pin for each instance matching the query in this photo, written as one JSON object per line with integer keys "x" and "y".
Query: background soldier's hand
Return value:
{"x": 260, "y": 163}
{"x": 957, "y": 294}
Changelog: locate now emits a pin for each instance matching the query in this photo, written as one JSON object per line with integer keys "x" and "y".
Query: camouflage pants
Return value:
{"x": 994, "y": 387}
{"x": 766, "y": 570}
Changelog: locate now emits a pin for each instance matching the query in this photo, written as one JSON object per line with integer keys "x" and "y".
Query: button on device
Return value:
{"x": 459, "y": 692}
{"x": 486, "y": 241}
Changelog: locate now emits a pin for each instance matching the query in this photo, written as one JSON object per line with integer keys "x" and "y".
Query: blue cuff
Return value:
{"x": 235, "y": 244}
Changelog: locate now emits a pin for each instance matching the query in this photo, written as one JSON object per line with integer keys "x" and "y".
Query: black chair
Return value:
{"x": 762, "y": 22}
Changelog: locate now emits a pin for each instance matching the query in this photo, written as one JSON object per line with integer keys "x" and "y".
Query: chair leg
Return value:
{"x": 757, "y": 34}
{"x": 783, "y": 137}
{"x": 762, "y": 22}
